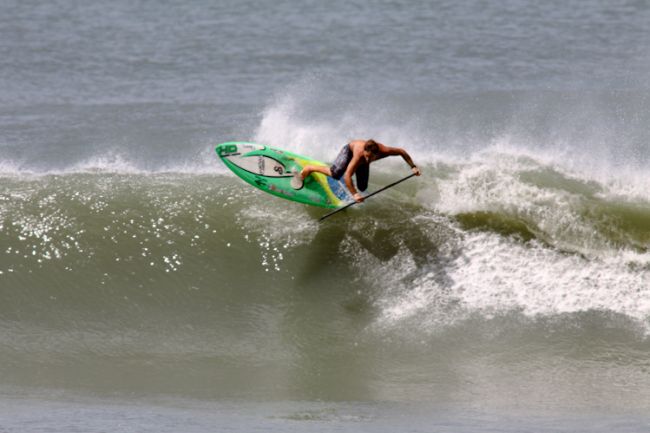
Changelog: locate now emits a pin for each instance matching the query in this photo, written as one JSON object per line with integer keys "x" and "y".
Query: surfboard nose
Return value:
{"x": 225, "y": 149}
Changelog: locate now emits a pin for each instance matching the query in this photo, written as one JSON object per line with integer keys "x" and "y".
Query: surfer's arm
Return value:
{"x": 394, "y": 151}
{"x": 352, "y": 167}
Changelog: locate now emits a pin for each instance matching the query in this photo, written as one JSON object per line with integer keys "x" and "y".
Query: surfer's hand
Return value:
{"x": 358, "y": 197}
{"x": 416, "y": 170}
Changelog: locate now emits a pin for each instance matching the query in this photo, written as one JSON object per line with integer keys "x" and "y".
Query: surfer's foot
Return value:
{"x": 297, "y": 181}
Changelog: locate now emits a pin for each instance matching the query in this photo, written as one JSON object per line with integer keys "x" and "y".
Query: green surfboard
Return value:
{"x": 271, "y": 170}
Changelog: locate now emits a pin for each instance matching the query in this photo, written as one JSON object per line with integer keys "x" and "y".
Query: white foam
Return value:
{"x": 284, "y": 124}
{"x": 554, "y": 201}
{"x": 494, "y": 274}
{"x": 282, "y": 127}
{"x": 12, "y": 169}
{"x": 629, "y": 181}
{"x": 289, "y": 122}
{"x": 110, "y": 162}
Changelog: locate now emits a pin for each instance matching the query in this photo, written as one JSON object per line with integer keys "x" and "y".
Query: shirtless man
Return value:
{"x": 355, "y": 158}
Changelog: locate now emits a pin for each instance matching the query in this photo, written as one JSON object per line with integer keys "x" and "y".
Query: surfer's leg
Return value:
{"x": 362, "y": 174}
{"x": 309, "y": 169}
{"x": 299, "y": 176}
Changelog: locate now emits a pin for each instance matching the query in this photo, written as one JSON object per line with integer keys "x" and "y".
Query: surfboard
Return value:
{"x": 271, "y": 170}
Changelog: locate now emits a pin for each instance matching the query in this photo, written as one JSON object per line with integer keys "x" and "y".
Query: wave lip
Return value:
{"x": 112, "y": 162}
{"x": 520, "y": 195}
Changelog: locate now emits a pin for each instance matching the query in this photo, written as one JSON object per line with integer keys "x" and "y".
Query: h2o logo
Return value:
{"x": 227, "y": 150}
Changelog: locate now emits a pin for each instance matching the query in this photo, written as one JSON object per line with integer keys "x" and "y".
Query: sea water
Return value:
{"x": 143, "y": 287}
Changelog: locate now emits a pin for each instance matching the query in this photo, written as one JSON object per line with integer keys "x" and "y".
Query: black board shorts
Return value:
{"x": 341, "y": 164}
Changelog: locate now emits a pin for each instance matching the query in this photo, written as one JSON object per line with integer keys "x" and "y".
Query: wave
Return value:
{"x": 501, "y": 221}
{"x": 463, "y": 239}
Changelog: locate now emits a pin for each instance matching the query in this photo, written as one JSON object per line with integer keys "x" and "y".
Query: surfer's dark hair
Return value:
{"x": 371, "y": 146}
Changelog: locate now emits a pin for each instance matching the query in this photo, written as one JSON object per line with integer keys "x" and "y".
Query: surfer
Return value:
{"x": 355, "y": 158}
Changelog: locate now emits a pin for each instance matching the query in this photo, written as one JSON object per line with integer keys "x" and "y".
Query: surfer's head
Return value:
{"x": 371, "y": 150}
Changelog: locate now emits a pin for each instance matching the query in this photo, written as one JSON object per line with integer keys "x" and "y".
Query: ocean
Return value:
{"x": 145, "y": 288}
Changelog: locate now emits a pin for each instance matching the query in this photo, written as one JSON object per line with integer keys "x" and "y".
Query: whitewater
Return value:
{"x": 507, "y": 288}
